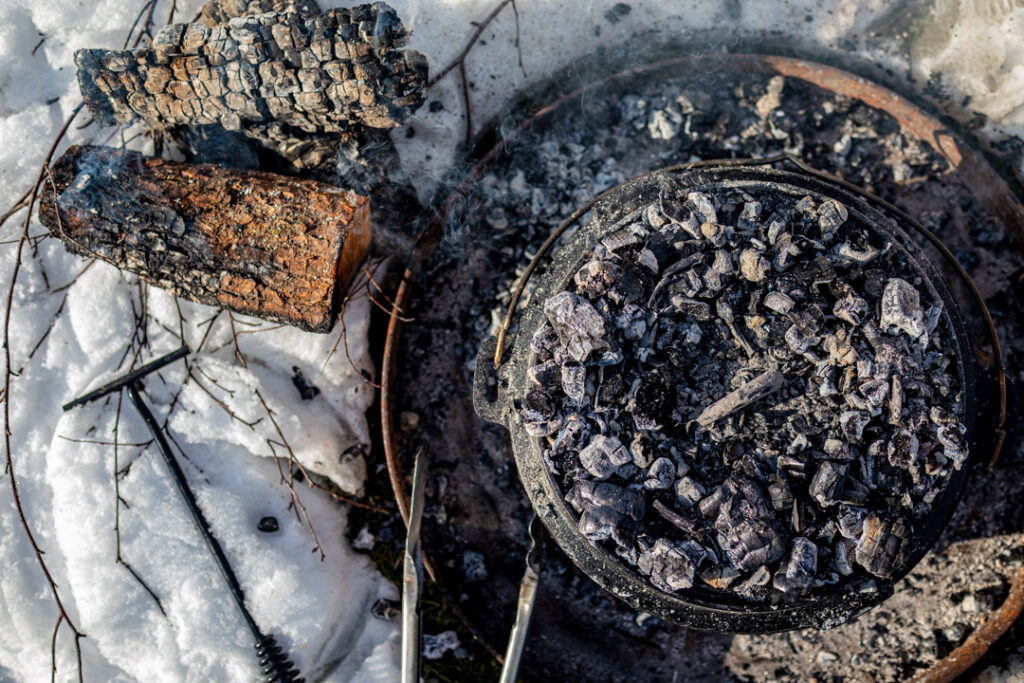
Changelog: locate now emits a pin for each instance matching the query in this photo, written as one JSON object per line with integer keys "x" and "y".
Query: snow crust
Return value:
{"x": 318, "y": 609}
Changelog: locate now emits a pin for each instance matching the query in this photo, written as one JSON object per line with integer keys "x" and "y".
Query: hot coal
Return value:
{"x": 757, "y": 394}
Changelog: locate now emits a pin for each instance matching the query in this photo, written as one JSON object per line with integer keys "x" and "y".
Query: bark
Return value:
{"x": 272, "y": 246}
{"x": 284, "y": 79}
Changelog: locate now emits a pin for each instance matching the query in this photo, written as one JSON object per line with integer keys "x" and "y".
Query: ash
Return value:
{"x": 753, "y": 394}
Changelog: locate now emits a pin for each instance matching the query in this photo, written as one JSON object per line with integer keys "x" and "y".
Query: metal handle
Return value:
{"x": 493, "y": 410}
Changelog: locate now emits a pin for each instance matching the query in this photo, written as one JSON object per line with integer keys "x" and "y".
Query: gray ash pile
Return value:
{"x": 751, "y": 395}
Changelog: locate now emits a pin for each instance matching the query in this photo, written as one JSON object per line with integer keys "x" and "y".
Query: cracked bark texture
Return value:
{"x": 292, "y": 81}
{"x": 280, "y": 248}
{"x": 222, "y": 11}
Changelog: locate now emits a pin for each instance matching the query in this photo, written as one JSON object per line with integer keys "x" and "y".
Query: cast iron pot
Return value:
{"x": 497, "y": 395}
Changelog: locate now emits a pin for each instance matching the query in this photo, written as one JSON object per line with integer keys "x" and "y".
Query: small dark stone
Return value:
{"x": 386, "y": 610}
{"x": 306, "y": 390}
{"x": 268, "y": 525}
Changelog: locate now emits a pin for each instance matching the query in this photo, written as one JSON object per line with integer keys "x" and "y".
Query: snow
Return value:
{"x": 318, "y": 609}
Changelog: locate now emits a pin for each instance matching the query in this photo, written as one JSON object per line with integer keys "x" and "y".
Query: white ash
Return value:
{"x": 753, "y": 394}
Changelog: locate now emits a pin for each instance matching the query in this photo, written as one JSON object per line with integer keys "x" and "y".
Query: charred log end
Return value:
{"x": 260, "y": 244}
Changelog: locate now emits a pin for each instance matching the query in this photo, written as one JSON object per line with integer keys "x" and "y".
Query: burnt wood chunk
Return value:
{"x": 261, "y": 244}
{"x": 315, "y": 73}
{"x": 753, "y": 391}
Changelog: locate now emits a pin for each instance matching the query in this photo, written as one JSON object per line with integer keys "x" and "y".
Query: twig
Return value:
{"x": 475, "y": 36}
{"x": 467, "y": 105}
{"x": 224, "y": 406}
{"x": 62, "y": 614}
{"x": 292, "y": 461}
{"x": 234, "y": 339}
{"x": 309, "y": 480}
{"x": 519, "y": 47}
{"x": 117, "y": 514}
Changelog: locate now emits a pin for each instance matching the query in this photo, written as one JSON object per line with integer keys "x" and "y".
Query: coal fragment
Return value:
{"x": 670, "y": 565}
{"x": 881, "y": 544}
{"x": 578, "y": 325}
{"x": 608, "y": 512}
{"x": 603, "y": 456}
{"x": 747, "y": 530}
{"x": 901, "y": 308}
{"x": 796, "y": 573}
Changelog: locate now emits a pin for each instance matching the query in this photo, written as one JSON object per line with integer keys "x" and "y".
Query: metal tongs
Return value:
{"x": 412, "y": 575}
{"x": 524, "y": 610}
{"x": 412, "y": 587}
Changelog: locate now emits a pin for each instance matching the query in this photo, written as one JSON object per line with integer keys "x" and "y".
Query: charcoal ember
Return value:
{"x": 702, "y": 207}
{"x": 660, "y": 475}
{"x": 603, "y": 456}
{"x": 780, "y": 495}
{"x": 851, "y": 521}
{"x": 941, "y": 416}
{"x": 903, "y": 450}
{"x": 747, "y": 529}
{"x": 689, "y": 492}
{"x": 901, "y": 308}
{"x": 796, "y": 573}
{"x": 779, "y": 302}
{"x": 642, "y": 451}
{"x": 717, "y": 576}
{"x": 719, "y": 273}
{"x": 853, "y": 423}
{"x": 547, "y": 374}
{"x": 851, "y": 308}
{"x": 544, "y": 340}
{"x": 632, "y": 321}
{"x": 843, "y": 553}
{"x": 684, "y": 524}
{"x": 818, "y": 271}
{"x": 954, "y": 445}
{"x": 875, "y": 393}
{"x": 613, "y": 391}
{"x": 798, "y": 340}
{"x": 691, "y": 308}
{"x": 628, "y": 236}
{"x": 755, "y": 581}
{"x": 580, "y": 328}
{"x": 607, "y": 511}
{"x": 652, "y": 401}
{"x": 881, "y": 544}
{"x": 862, "y": 255}
{"x": 569, "y": 433}
{"x": 596, "y": 277}
{"x": 537, "y": 411}
{"x": 831, "y": 215}
{"x": 828, "y": 482}
{"x": 753, "y": 265}
{"x": 749, "y": 393}
{"x": 648, "y": 260}
{"x": 574, "y": 380}
{"x": 671, "y": 566}
{"x": 713, "y": 233}
{"x": 840, "y": 348}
